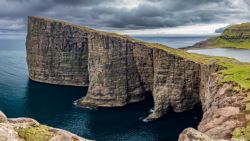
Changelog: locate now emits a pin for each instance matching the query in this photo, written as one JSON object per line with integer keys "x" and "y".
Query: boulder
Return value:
{"x": 190, "y": 134}
{"x": 3, "y": 117}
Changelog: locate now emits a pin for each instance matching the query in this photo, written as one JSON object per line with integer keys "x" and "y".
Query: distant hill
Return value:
{"x": 233, "y": 36}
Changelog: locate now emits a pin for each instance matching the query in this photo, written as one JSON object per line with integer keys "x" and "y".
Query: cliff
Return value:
{"x": 234, "y": 36}
{"x": 119, "y": 70}
{"x": 27, "y": 129}
{"x": 57, "y": 54}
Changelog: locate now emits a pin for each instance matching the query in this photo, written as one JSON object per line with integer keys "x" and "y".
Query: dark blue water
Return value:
{"x": 52, "y": 105}
{"x": 175, "y": 42}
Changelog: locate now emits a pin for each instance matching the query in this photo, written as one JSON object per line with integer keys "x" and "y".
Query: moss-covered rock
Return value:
{"x": 38, "y": 133}
{"x": 242, "y": 133}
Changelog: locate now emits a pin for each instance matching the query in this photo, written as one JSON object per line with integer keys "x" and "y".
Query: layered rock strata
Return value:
{"x": 119, "y": 70}
{"x": 176, "y": 83}
{"x": 56, "y": 53}
{"x": 223, "y": 106}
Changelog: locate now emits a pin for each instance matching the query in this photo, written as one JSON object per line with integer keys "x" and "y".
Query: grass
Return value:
{"x": 218, "y": 42}
{"x": 236, "y": 36}
{"x": 238, "y": 134}
{"x": 242, "y": 133}
{"x": 38, "y": 133}
{"x": 236, "y": 72}
{"x": 237, "y": 30}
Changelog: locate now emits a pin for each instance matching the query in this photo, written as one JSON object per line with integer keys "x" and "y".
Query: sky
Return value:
{"x": 147, "y": 17}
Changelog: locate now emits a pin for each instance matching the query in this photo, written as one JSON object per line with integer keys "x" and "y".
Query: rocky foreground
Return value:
{"x": 119, "y": 70}
{"x": 27, "y": 129}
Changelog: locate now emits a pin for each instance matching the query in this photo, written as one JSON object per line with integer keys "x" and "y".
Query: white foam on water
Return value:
{"x": 84, "y": 107}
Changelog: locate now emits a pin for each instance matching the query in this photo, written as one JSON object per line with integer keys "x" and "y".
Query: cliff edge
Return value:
{"x": 119, "y": 70}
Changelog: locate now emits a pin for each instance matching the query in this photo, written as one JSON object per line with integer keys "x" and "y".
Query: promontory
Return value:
{"x": 119, "y": 70}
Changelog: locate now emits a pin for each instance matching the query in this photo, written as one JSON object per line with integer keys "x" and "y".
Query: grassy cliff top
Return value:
{"x": 240, "y": 26}
{"x": 218, "y": 42}
{"x": 235, "y": 36}
{"x": 237, "y": 30}
{"x": 234, "y": 71}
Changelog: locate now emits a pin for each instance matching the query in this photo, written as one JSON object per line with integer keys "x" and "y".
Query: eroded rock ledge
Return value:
{"x": 119, "y": 70}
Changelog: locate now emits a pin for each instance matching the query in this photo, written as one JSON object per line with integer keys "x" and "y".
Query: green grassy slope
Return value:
{"x": 236, "y": 36}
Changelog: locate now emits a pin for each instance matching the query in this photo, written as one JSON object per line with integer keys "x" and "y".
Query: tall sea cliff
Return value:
{"x": 119, "y": 70}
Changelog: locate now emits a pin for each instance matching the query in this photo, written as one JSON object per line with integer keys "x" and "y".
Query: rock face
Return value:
{"x": 119, "y": 70}
{"x": 114, "y": 74}
{"x": 190, "y": 134}
{"x": 176, "y": 83}
{"x": 223, "y": 110}
{"x": 13, "y": 130}
{"x": 56, "y": 53}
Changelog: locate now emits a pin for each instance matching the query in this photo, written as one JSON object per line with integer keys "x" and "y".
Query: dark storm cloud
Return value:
{"x": 123, "y": 14}
{"x": 171, "y": 13}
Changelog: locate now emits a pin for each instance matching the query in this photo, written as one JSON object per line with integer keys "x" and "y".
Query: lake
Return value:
{"x": 174, "y": 42}
{"x": 52, "y": 105}
{"x": 239, "y": 54}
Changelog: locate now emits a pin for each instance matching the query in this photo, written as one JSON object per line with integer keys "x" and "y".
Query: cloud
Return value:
{"x": 124, "y": 14}
{"x": 221, "y": 29}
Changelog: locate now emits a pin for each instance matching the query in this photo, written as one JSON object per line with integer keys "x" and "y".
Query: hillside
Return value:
{"x": 235, "y": 36}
